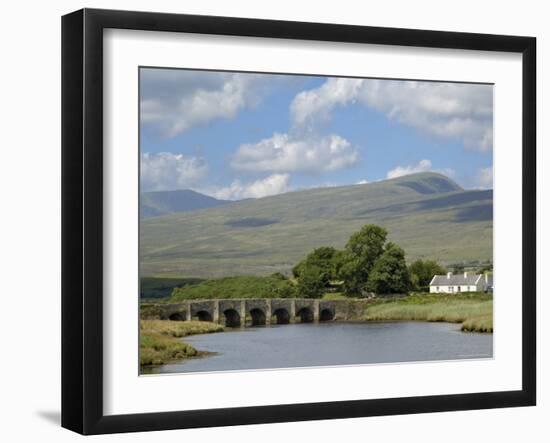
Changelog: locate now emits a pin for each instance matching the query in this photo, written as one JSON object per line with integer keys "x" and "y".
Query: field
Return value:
{"x": 474, "y": 310}
{"x": 426, "y": 214}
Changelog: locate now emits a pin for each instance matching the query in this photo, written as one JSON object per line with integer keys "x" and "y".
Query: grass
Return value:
{"x": 160, "y": 344}
{"x": 334, "y": 296}
{"x": 474, "y": 311}
{"x": 237, "y": 287}
{"x": 481, "y": 323}
{"x": 160, "y": 349}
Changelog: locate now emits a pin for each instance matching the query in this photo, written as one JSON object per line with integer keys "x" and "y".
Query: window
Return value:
{"x": 458, "y": 289}
{"x": 451, "y": 289}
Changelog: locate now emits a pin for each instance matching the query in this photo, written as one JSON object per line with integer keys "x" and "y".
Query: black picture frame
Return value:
{"x": 82, "y": 218}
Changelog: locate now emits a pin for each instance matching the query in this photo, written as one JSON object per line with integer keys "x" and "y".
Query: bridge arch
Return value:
{"x": 282, "y": 317}
{"x": 239, "y": 312}
{"x": 204, "y": 316}
{"x": 326, "y": 314}
{"x": 305, "y": 314}
{"x": 232, "y": 318}
{"x": 257, "y": 316}
{"x": 177, "y": 316}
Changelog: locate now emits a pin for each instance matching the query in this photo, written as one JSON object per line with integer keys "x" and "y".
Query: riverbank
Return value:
{"x": 474, "y": 311}
{"x": 160, "y": 340}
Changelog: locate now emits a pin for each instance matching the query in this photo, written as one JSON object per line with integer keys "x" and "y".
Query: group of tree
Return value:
{"x": 317, "y": 270}
{"x": 472, "y": 266}
{"x": 422, "y": 273}
{"x": 369, "y": 263}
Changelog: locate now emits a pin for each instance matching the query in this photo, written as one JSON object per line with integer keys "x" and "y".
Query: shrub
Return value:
{"x": 237, "y": 287}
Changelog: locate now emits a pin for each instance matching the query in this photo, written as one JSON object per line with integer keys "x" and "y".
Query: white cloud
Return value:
{"x": 362, "y": 182}
{"x": 316, "y": 104}
{"x": 175, "y": 101}
{"x": 422, "y": 166}
{"x": 271, "y": 185}
{"x": 290, "y": 153}
{"x": 484, "y": 178}
{"x": 447, "y": 110}
{"x": 399, "y": 171}
{"x": 168, "y": 171}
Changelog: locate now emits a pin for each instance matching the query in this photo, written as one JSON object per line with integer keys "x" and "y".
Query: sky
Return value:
{"x": 244, "y": 135}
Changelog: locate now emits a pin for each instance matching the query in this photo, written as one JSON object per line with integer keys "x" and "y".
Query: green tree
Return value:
{"x": 278, "y": 276}
{"x": 325, "y": 258}
{"x": 422, "y": 272}
{"x": 312, "y": 282}
{"x": 458, "y": 268}
{"x": 390, "y": 274}
{"x": 283, "y": 291}
{"x": 362, "y": 251}
{"x": 298, "y": 268}
{"x": 338, "y": 261}
{"x": 486, "y": 268}
{"x": 351, "y": 275}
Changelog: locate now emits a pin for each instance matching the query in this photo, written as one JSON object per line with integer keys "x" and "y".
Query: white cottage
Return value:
{"x": 466, "y": 282}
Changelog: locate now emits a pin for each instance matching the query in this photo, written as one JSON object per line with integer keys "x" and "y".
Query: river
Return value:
{"x": 329, "y": 344}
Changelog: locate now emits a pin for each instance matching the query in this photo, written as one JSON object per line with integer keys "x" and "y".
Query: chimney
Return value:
{"x": 449, "y": 274}
{"x": 465, "y": 275}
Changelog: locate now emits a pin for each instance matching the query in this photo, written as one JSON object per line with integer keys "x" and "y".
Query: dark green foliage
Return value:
{"x": 364, "y": 254}
{"x": 362, "y": 251}
{"x": 237, "y": 287}
{"x": 157, "y": 288}
{"x": 312, "y": 282}
{"x": 368, "y": 243}
{"x": 281, "y": 288}
{"x": 278, "y": 276}
{"x": 389, "y": 274}
{"x": 317, "y": 270}
{"x": 325, "y": 258}
{"x": 298, "y": 269}
{"x": 351, "y": 275}
{"x": 422, "y": 272}
{"x": 458, "y": 268}
{"x": 338, "y": 262}
{"x": 486, "y": 268}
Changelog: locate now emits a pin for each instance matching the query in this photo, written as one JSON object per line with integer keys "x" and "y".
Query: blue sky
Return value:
{"x": 241, "y": 135}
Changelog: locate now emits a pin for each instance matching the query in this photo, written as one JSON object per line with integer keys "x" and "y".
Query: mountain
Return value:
{"x": 157, "y": 203}
{"x": 427, "y": 214}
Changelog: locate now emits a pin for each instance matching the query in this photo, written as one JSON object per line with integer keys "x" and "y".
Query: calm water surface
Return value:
{"x": 328, "y": 344}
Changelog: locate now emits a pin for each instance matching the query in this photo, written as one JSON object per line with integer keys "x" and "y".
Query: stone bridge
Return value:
{"x": 245, "y": 312}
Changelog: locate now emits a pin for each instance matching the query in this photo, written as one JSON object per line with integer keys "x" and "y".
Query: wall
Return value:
{"x": 30, "y": 234}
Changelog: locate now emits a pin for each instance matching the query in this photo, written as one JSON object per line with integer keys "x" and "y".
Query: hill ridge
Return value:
{"x": 155, "y": 203}
{"x": 427, "y": 214}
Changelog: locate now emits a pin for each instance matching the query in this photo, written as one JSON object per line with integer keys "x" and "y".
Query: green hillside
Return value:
{"x": 167, "y": 202}
{"x": 427, "y": 214}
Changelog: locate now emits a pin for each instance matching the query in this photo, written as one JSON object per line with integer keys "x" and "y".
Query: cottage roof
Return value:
{"x": 457, "y": 279}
